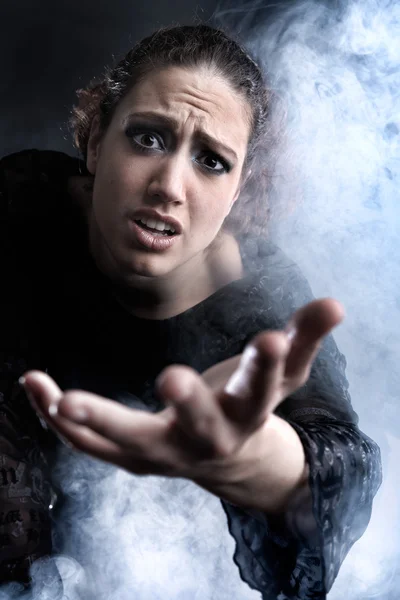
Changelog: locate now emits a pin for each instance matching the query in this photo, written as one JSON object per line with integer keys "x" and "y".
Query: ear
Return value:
{"x": 93, "y": 148}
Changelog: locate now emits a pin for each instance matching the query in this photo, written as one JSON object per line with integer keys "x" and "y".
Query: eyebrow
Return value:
{"x": 167, "y": 121}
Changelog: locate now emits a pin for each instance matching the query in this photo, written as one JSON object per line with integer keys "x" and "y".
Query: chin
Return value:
{"x": 144, "y": 267}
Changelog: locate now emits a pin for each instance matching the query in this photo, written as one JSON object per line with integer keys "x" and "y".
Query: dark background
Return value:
{"x": 48, "y": 49}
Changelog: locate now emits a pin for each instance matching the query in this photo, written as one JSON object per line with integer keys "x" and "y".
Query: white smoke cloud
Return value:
{"x": 336, "y": 67}
{"x": 126, "y": 536}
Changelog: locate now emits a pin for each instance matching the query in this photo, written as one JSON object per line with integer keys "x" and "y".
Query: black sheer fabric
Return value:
{"x": 344, "y": 477}
{"x": 53, "y": 292}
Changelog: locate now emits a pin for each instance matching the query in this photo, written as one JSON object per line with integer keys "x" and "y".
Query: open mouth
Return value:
{"x": 156, "y": 227}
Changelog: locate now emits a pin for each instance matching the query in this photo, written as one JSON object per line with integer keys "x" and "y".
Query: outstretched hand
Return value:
{"x": 218, "y": 428}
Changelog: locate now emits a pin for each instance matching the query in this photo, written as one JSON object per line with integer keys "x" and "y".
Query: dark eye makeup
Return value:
{"x": 149, "y": 140}
{"x": 145, "y": 139}
{"x": 214, "y": 158}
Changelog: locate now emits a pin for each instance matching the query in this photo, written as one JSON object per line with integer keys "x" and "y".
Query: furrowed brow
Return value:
{"x": 154, "y": 117}
{"x": 215, "y": 143}
{"x": 168, "y": 121}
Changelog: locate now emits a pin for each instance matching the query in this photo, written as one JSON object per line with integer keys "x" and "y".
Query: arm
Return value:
{"x": 300, "y": 552}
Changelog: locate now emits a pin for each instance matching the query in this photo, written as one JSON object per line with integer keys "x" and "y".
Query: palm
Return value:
{"x": 208, "y": 418}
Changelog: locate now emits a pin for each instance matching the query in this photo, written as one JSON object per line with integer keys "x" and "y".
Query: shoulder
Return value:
{"x": 265, "y": 298}
{"x": 33, "y": 196}
{"x": 24, "y": 173}
{"x": 262, "y": 256}
{"x": 33, "y": 163}
{"x": 279, "y": 287}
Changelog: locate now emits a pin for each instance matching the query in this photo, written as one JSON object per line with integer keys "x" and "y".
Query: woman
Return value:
{"x": 138, "y": 272}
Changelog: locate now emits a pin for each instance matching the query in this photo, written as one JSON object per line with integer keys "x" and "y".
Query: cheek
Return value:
{"x": 123, "y": 179}
{"x": 217, "y": 204}
{"x": 207, "y": 218}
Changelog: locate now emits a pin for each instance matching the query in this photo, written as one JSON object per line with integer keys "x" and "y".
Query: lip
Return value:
{"x": 149, "y": 240}
{"x": 149, "y": 213}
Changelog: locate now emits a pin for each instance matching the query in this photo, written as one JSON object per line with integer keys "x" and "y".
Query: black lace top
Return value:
{"x": 60, "y": 314}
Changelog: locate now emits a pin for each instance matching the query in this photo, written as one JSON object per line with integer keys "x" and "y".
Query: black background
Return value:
{"x": 48, "y": 49}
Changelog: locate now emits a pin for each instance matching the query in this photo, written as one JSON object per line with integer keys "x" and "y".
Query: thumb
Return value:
{"x": 44, "y": 395}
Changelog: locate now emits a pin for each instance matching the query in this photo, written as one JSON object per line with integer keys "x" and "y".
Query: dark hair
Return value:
{"x": 189, "y": 47}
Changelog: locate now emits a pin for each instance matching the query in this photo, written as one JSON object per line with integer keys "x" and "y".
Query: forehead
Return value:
{"x": 195, "y": 97}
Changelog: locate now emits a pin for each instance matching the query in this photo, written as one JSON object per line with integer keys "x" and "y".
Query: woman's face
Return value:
{"x": 167, "y": 172}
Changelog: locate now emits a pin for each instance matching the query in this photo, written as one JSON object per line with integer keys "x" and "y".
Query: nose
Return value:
{"x": 168, "y": 180}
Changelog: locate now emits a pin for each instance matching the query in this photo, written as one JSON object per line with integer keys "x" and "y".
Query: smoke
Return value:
{"x": 122, "y": 536}
{"x": 157, "y": 534}
{"x": 335, "y": 67}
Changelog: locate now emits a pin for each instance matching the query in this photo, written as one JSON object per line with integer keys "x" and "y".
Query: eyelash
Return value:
{"x": 131, "y": 132}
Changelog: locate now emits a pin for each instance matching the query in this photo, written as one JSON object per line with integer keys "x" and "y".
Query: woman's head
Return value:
{"x": 174, "y": 128}
{"x": 190, "y": 47}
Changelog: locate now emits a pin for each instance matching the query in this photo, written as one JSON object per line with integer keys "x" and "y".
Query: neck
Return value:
{"x": 166, "y": 297}
{"x": 161, "y": 299}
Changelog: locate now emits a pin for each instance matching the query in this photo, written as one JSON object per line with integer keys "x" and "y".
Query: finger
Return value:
{"x": 197, "y": 411}
{"x": 253, "y": 391}
{"x": 46, "y": 395}
{"x": 217, "y": 375}
{"x": 120, "y": 424}
{"x": 309, "y": 325}
{"x": 40, "y": 399}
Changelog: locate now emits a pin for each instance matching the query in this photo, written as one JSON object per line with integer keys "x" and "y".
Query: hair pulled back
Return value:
{"x": 194, "y": 47}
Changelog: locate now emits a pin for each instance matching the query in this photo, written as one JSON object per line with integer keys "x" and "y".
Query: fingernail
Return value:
{"x": 53, "y": 409}
{"x": 240, "y": 382}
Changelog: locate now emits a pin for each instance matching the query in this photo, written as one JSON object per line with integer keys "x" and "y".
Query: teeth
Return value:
{"x": 159, "y": 225}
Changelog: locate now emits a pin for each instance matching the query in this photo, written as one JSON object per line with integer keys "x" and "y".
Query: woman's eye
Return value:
{"x": 213, "y": 163}
{"x": 144, "y": 139}
{"x": 148, "y": 140}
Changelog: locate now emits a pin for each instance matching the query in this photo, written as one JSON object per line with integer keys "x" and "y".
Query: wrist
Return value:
{"x": 266, "y": 474}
